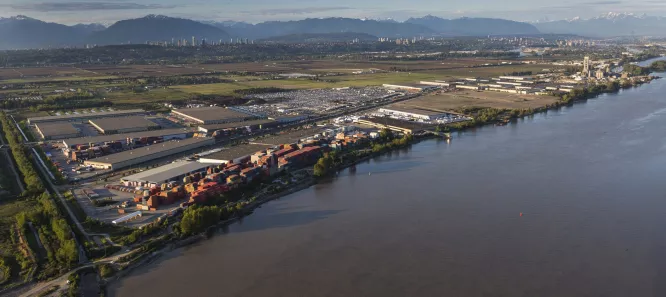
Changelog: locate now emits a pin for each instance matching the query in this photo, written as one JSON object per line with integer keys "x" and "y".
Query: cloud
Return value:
{"x": 297, "y": 11}
{"x": 85, "y": 6}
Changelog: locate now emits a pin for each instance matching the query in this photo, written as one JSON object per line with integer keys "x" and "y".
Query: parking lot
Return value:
{"x": 316, "y": 101}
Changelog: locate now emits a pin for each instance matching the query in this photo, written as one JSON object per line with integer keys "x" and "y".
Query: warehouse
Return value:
{"x": 86, "y": 116}
{"x": 406, "y": 127}
{"x": 212, "y": 115}
{"x": 236, "y": 154}
{"x": 156, "y": 177}
{"x": 123, "y": 125}
{"x": 57, "y": 130}
{"x": 166, "y": 134}
{"x": 252, "y": 125}
{"x": 410, "y": 87}
{"x": 409, "y": 112}
{"x": 148, "y": 153}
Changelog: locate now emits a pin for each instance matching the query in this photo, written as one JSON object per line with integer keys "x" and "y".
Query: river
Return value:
{"x": 443, "y": 219}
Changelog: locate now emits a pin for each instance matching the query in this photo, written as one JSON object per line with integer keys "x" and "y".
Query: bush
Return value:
{"x": 106, "y": 270}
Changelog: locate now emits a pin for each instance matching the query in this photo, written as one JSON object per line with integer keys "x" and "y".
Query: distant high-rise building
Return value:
{"x": 586, "y": 66}
{"x": 194, "y": 41}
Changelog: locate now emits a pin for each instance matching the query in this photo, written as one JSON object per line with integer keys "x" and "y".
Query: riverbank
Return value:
{"x": 288, "y": 191}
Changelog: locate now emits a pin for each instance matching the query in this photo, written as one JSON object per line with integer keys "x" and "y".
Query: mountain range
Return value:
{"x": 607, "y": 25}
{"x": 23, "y": 32}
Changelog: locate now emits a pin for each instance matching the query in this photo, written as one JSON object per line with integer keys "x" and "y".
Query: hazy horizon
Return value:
{"x": 255, "y": 11}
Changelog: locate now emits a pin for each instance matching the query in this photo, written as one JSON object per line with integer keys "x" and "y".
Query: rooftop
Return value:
{"x": 166, "y": 172}
{"x": 211, "y": 113}
{"x": 398, "y": 123}
{"x": 51, "y": 129}
{"x": 110, "y": 124}
{"x": 236, "y": 124}
{"x": 85, "y": 115}
{"x": 148, "y": 150}
{"x": 289, "y": 137}
{"x": 115, "y": 137}
{"x": 414, "y": 110}
{"x": 238, "y": 151}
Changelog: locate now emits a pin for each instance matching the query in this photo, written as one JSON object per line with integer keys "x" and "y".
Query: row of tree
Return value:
{"x": 31, "y": 178}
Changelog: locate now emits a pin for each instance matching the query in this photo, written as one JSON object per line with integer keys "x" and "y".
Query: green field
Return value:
{"x": 361, "y": 80}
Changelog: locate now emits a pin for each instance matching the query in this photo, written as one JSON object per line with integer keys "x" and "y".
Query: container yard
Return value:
{"x": 148, "y": 153}
{"x": 123, "y": 125}
{"x": 212, "y": 115}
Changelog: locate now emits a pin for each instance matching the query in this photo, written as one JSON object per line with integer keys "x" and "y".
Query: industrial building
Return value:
{"x": 212, "y": 115}
{"x": 148, "y": 153}
{"x": 439, "y": 83}
{"x": 57, "y": 130}
{"x": 236, "y": 154}
{"x": 252, "y": 125}
{"x": 166, "y": 134}
{"x": 123, "y": 125}
{"x": 155, "y": 177}
{"x": 86, "y": 116}
{"x": 406, "y": 127}
{"x": 412, "y": 112}
{"x": 410, "y": 87}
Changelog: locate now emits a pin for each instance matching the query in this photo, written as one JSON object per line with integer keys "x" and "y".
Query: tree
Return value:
{"x": 197, "y": 219}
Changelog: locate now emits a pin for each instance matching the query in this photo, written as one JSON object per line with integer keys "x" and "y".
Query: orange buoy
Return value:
{"x": 521, "y": 214}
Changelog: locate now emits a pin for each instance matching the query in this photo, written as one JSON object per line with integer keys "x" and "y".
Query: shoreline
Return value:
{"x": 307, "y": 183}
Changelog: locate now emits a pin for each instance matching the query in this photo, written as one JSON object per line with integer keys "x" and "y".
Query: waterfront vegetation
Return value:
{"x": 336, "y": 160}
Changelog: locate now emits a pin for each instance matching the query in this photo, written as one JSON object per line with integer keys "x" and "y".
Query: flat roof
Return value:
{"x": 166, "y": 172}
{"x": 148, "y": 150}
{"x": 50, "y": 129}
{"x": 110, "y": 124}
{"x": 289, "y": 137}
{"x": 211, "y": 113}
{"x": 236, "y": 124}
{"x": 415, "y": 110}
{"x": 133, "y": 135}
{"x": 85, "y": 115}
{"x": 413, "y": 85}
{"x": 238, "y": 151}
{"x": 398, "y": 123}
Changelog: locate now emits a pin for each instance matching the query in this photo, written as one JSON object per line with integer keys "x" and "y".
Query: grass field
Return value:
{"x": 466, "y": 99}
{"x": 360, "y": 80}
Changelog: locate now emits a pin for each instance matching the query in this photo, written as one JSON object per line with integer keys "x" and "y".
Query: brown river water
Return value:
{"x": 443, "y": 219}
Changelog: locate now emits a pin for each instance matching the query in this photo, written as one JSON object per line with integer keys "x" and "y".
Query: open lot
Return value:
{"x": 465, "y": 99}
{"x": 110, "y": 212}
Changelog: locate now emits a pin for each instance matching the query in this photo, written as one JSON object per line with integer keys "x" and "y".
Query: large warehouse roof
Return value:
{"x": 236, "y": 124}
{"x": 116, "y": 137}
{"x": 68, "y": 117}
{"x": 235, "y": 152}
{"x": 53, "y": 129}
{"x": 213, "y": 113}
{"x": 114, "y": 124}
{"x": 148, "y": 150}
{"x": 166, "y": 172}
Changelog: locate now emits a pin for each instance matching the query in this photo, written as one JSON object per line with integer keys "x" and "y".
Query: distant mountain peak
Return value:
{"x": 157, "y": 17}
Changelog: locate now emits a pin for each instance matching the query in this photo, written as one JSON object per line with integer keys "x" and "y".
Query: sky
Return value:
{"x": 254, "y": 11}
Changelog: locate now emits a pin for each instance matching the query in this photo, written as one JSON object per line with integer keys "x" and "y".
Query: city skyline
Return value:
{"x": 255, "y": 11}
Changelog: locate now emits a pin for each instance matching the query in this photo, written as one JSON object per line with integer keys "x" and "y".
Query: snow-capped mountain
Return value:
{"x": 608, "y": 25}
